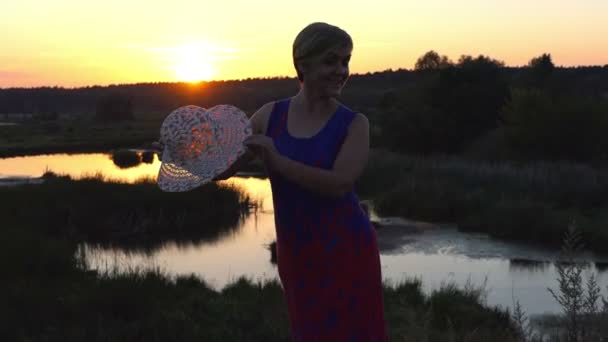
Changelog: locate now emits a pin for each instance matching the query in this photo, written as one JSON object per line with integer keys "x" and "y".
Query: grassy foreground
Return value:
{"x": 49, "y": 295}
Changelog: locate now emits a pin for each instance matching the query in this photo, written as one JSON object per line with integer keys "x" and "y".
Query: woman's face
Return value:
{"x": 327, "y": 73}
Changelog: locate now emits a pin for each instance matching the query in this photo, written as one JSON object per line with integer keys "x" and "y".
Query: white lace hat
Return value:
{"x": 199, "y": 144}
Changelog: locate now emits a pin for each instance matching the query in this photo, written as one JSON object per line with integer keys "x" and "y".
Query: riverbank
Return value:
{"x": 50, "y": 294}
{"x": 531, "y": 203}
{"x": 525, "y": 202}
{"x": 405, "y": 320}
{"x": 78, "y": 135}
{"x": 95, "y": 209}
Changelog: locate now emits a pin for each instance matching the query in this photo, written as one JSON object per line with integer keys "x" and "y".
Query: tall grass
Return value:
{"x": 67, "y": 302}
{"x": 528, "y": 202}
{"x": 96, "y": 209}
{"x": 81, "y": 135}
{"x": 564, "y": 182}
{"x": 584, "y": 316}
{"x": 51, "y": 295}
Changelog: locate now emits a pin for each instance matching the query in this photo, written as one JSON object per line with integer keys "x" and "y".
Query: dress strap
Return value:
{"x": 277, "y": 119}
{"x": 347, "y": 118}
{"x": 340, "y": 126}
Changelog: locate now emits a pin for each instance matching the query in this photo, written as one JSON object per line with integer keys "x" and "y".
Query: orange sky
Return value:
{"x": 76, "y": 43}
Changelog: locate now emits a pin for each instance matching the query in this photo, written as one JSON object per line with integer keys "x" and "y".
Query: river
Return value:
{"x": 436, "y": 254}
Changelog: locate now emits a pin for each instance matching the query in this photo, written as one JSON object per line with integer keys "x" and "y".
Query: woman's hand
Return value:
{"x": 157, "y": 146}
{"x": 263, "y": 147}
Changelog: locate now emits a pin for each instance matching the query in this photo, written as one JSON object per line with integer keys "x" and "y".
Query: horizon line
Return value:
{"x": 195, "y": 83}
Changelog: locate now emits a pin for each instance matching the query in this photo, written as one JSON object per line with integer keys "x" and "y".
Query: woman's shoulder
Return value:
{"x": 354, "y": 118}
{"x": 359, "y": 124}
{"x": 259, "y": 119}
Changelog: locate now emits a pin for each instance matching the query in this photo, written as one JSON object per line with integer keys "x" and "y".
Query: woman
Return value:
{"x": 315, "y": 148}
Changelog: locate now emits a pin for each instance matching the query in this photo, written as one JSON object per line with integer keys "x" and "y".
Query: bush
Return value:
{"x": 114, "y": 107}
{"x": 147, "y": 157}
{"x": 125, "y": 159}
{"x": 520, "y": 219}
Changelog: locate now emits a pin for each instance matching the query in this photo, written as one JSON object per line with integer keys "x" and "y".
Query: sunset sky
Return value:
{"x": 75, "y": 43}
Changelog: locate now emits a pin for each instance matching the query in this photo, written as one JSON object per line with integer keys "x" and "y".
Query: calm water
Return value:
{"x": 509, "y": 271}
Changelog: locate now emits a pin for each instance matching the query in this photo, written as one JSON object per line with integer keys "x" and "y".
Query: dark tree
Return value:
{"x": 540, "y": 69}
{"x": 541, "y": 126}
{"x": 115, "y": 107}
{"x": 470, "y": 96}
{"x": 432, "y": 61}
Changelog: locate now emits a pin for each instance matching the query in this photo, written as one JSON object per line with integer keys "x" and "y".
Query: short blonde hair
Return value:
{"x": 315, "y": 39}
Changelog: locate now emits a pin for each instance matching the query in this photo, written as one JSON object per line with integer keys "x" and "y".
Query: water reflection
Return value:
{"x": 243, "y": 252}
{"x": 125, "y": 159}
{"x": 240, "y": 252}
{"x": 601, "y": 266}
{"x": 510, "y": 271}
{"x": 132, "y": 243}
{"x": 147, "y": 157}
{"x": 522, "y": 264}
{"x": 76, "y": 166}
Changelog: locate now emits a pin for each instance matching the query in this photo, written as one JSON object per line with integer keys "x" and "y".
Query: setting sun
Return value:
{"x": 192, "y": 63}
{"x": 73, "y": 43}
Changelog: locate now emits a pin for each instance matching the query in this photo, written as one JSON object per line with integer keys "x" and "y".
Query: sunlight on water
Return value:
{"x": 509, "y": 271}
{"x": 258, "y": 188}
{"x": 219, "y": 262}
{"x": 76, "y": 165}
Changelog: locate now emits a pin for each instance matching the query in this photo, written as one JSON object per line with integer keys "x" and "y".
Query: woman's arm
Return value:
{"x": 338, "y": 181}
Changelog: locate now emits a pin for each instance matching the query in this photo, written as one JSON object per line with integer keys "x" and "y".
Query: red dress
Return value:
{"x": 327, "y": 254}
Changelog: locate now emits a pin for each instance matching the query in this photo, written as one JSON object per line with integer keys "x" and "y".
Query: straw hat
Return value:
{"x": 199, "y": 144}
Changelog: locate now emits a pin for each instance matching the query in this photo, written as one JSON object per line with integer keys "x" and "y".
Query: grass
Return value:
{"x": 584, "y": 314}
{"x": 50, "y": 295}
{"x": 95, "y": 209}
{"x": 526, "y": 202}
{"x": 77, "y": 135}
{"x": 450, "y": 313}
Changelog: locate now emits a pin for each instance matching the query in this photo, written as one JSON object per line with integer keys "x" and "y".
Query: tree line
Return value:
{"x": 474, "y": 106}
{"x": 479, "y": 108}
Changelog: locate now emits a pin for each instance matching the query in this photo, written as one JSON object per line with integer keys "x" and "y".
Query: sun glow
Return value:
{"x": 193, "y": 62}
